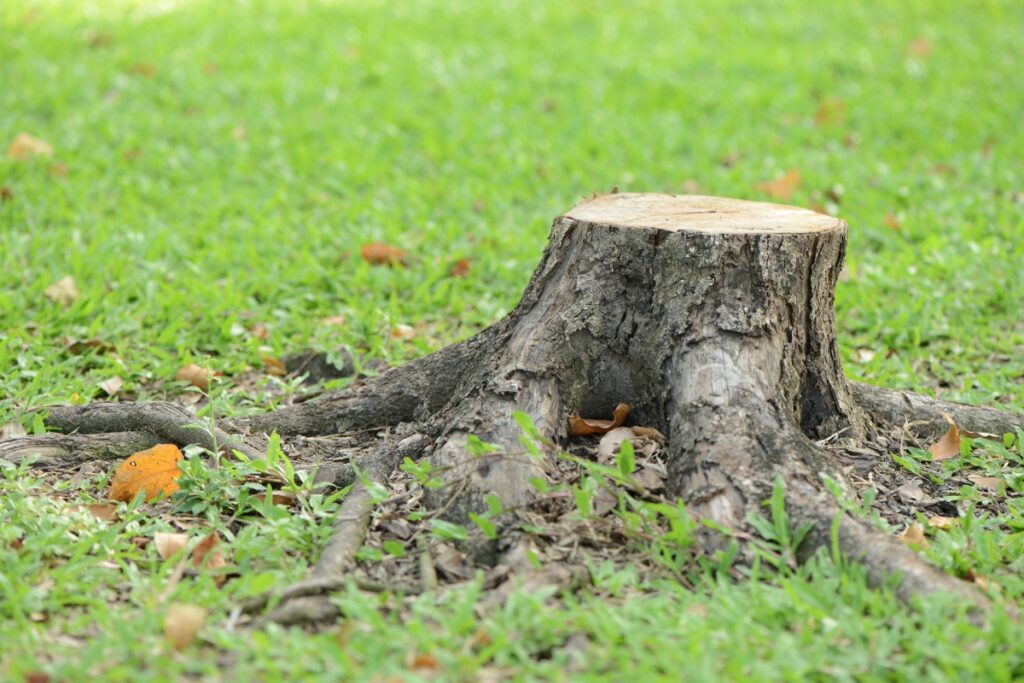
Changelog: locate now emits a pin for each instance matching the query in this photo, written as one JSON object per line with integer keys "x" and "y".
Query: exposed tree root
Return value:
{"x": 167, "y": 422}
{"x": 882, "y": 556}
{"x": 74, "y": 449}
{"x": 411, "y": 392}
{"x": 712, "y": 318}
{"x": 890, "y": 406}
{"x": 349, "y": 530}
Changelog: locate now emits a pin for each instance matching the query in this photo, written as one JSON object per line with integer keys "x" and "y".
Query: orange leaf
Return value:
{"x": 579, "y": 426}
{"x": 154, "y": 471}
{"x": 949, "y": 445}
{"x": 782, "y": 187}
{"x": 381, "y": 254}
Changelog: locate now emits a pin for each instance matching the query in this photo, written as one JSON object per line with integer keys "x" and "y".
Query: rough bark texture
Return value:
{"x": 712, "y": 318}
{"x": 900, "y": 407}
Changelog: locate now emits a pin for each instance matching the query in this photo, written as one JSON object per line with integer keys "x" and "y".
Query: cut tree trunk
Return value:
{"x": 712, "y": 318}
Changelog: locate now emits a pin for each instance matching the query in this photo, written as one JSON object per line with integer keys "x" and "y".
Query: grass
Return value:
{"x": 217, "y": 166}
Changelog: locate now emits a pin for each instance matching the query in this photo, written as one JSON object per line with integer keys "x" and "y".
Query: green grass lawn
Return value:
{"x": 216, "y": 167}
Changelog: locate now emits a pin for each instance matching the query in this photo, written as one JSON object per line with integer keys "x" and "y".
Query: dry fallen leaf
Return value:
{"x": 645, "y": 440}
{"x": 274, "y": 367}
{"x": 334, "y": 321}
{"x": 976, "y": 579}
{"x": 460, "y": 268}
{"x": 76, "y": 347}
{"x": 949, "y": 445}
{"x": 195, "y": 375}
{"x": 914, "y": 536}
{"x": 168, "y": 544}
{"x": 182, "y": 623}
{"x": 865, "y": 355}
{"x": 691, "y": 186}
{"x": 911, "y": 492}
{"x": 284, "y": 498}
{"x": 12, "y": 430}
{"x": 6, "y": 194}
{"x": 403, "y": 331}
{"x": 782, "y": 187}
{"x": 968, "y": 434}
{"x": 920, "y": 47}
{"x": 105, "y": 512}
{"x": 153, "y": 471}
{"x": 730, "y": 159}
{"x": 830, "y": 110}
{"x": 423, "y": 661}
{"x": 24, "y": 146}
{"x": 579, "y": 426}
{"x": 381, "y": 254}
{"x": 204, "y": 555}
{"x": 112, "y": 385}
{"x": 994, "y": 484}
{"x": 63, "y": 291}
{"x": 891, "y": 221}
{"x": 944, "y": 523}
{"x": 146, "y": 69}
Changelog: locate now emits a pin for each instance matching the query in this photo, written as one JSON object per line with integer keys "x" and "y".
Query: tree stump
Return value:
{"x": 712, "y": 318}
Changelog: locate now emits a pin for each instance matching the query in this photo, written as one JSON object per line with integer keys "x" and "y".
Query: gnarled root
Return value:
{"x": 306, "y": 601}
{"x": 894, "y": 407}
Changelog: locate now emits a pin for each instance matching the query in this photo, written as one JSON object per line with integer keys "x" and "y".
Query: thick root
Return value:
{"x": 168, "y": 422}
{"x": 885, "y": 559}
{"x": 305, "y": 600}
{"x": 72, "y": 449}
{"x": 407, "y": 393}
{"x": 890, "y": 406}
